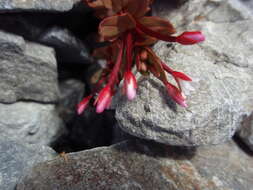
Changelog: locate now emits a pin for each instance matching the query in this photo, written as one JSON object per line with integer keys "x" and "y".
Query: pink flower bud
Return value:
{"x": 175, "y": 94}
{"x": 130, "y": 85}
{"x": 103, "y": 100}
{"x": 189, "y": 38}
{"x": 83, "y": 104}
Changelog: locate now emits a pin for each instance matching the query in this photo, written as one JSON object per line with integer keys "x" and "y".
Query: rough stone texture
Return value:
{"x": 226, "y": 164}
{"x": 17, "y": 158}
{"x": 222, "y": 72}
{"x": 28, "y": 71}
{"x": 129, "y": 166}
{"x": 71, "y": 94}
{"x": 249, "y": 4}
{"x": 69, "y": 49}
{"x": 245, "y": 133}
{"x": 33, "y": 123}
{"x": 36, "y": 5}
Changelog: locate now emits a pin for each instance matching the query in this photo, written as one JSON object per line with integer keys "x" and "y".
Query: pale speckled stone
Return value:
{"x": 222, "y": 69}
{"x": 36, "y": 5}
{"x": 226, "y": 164}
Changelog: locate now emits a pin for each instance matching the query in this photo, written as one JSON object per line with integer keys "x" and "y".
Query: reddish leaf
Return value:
{"x": 137, "y": 8}
{"x": 105, "y": 8}
{"x": 102, "y": 53}
{"x": 142, "y": 39}
{"x": 107, "y": 52}
{"x": 155, "y": 65}
{"x": 157, "y": 24}
{"x": 112, "y": 27}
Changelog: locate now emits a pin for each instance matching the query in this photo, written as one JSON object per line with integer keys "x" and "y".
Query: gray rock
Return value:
{"x": 119, "y": 135}
{"x": 36, "y": 5}
{"x": 71, "y": 94}
{"x": 222, "y": 87}
{"x": 245, "y": 133}
{"x": 129, "y": 165}
{"x": 33, "y": 123}
{"x": 226, "y": 164}
{"x": 17, "y": 158}
{"x": 28, "y": 71}
{"x": 68, "y": 48}
{"x": 248, "y": 3}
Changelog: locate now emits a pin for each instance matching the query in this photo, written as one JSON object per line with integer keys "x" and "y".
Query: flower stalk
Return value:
{"x": 130, "y": 33}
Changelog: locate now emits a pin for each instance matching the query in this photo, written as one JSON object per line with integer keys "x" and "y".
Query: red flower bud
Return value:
{"x": 175, "y": 94}
{"x": 189, "y": 38}
{"x": 103, "y": 100}
{"x": 130, "y": 85}
{"x": 83, "y": 104}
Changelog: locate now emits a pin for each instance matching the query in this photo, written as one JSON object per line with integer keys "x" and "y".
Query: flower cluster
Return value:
{"x": 130, "y": 34}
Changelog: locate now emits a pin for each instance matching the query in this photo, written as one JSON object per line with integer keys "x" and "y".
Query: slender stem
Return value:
{"x": 170, "y": 71}
{"x": 115, "y": 70}
{"x": 129, "y": 50}
{"x": 155, "y": 34}
{"x": 98, "y": 85}
{"x": 157, "y": 64}
{"x": 138, "y": 61}
{"x": 167, "y": 68}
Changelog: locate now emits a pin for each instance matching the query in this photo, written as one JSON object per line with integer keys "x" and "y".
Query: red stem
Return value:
{"x": 114, "y": 73}
{"x": 167, "y": 68}
{"x": 129, "y": 49}
{"x": 155, "y": 34}
{"x": 98, "y": 85}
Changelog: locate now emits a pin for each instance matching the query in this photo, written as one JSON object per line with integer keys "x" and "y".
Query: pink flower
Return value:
{"x": 104, "y": 99}
{"x": 83, "y": 104}
{"x": 130, "y": 85}
{"x": 189, "y": 38}
{"x": 175, "y": 94}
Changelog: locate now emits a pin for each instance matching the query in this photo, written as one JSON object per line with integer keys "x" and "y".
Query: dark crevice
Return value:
{"x": 242, "y": 145}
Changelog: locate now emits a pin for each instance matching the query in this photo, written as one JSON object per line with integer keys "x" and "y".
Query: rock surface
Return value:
{"x": 245, "y": 133}
{"x": 17, "y": 158}
{"x": 222, "y": 72}
{"x": 28, "y": 71}
{"x": 71, "y": 93}
{"x": 69, "y": 49}
{"x": 128, "y": 166}
{"x": 226, "y": 164}
{"x": 145, "y": 165}
{"x": 32, "y": 122}
{"x": 36, "y": 5}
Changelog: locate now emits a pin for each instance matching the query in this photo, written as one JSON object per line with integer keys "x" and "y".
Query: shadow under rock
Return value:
{"x": 156, "y": 150}
{"x": 168, "y": 5}
{"x": 167, "y": 100}
{"x": 242, "y": 146}
{"x": 89, "y": 130}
